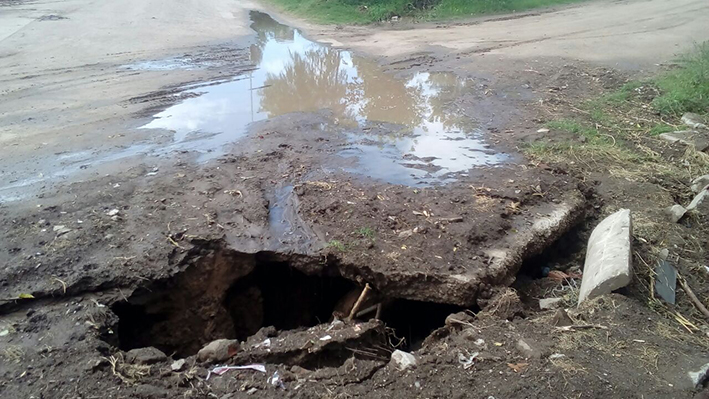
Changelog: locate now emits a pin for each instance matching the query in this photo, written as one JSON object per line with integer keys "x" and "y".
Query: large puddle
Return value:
{"x": 423, "y": 139}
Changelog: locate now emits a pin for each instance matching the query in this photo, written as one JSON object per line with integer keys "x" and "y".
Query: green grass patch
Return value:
{"x": 685, "y": 89}
{"x": 338, "y": 245}
{"x": 369, "y": 11}
{"x": 573, "y": 127}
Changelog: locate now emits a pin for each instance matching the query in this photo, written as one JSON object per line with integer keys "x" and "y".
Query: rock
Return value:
{"x": 698, "y": 140}
{"x": 149, "y": 355}
{"x": 458, "y": 319}
{"x": 528, "y": 349}
{"x": 543, "y": 130}
{"x": 550, "y": 303}
{"x": 61, "y": 230}
{"x": 218, "y": 351}
{"x": 403, "y": 360}
{"x": 406, "y": 233}
{"x": 694, "y": 121}
{"x": 561, "y": 319}
{"x": 112, "y": 212}
{"x": 675, "y": 212}
{"x": 700, "y": 203}
{"x": 608, "y": 263}
{"x": 700, "y": 183}
{"x": 699, "y": 377}
{"x": 178, "y": 365}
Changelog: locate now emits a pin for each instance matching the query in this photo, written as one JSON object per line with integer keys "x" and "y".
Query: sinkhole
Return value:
{"x": 228, "y": 294}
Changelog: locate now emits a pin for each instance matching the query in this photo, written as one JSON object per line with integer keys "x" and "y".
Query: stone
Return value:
{"x": 528, "y": 349}
{"x": 608, "y": 264}
{"x": 218, "y": 351}
{"x": 561, "y": 319}
{"x": 675, "y": 212}
{"x": 61, "y": 230}
{"x": 149, "y": 355}
{"x": 459, "y": 319}
{"x": 550, "y": 303}
{"x": 699, "y": 140}
{"x": 543, "y": 130}
{"x": 694, "y": 121}
{"x": 699, "y": 377}
{"x": 403, "y": 360}
{"x": 177, "y": 365}
{"x": 700, "y": 183}
{"x": 700, "y": 203}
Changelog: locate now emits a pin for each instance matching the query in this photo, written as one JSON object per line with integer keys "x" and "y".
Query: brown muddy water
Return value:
{"x": 401, "y": 131}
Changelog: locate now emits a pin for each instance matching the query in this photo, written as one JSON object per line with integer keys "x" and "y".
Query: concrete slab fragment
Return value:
{"x": 700, "y": 203}
{"x": 699, "y": 140}
{"x": 700, "y": 183}
{"x": 608, "y": 263}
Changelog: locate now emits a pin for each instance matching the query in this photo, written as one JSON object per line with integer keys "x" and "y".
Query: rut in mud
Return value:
{"x": 229, "y": 294}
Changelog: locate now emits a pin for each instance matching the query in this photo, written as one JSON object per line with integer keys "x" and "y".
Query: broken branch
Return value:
{"x": 697, "y": 303}
{"x": 359, "y": 302}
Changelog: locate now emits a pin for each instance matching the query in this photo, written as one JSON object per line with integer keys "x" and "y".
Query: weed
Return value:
{"x": 572, "y": 126}
{"x": 338, "y": 245}
{"x": 366, "y": 232}
{"x": 685, "y": 89}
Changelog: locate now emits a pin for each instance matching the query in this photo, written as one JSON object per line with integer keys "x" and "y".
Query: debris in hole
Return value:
{"x": 224, "y": 294}
{"x": 276, "y": 380}
{"x": 550, "y": 303}
{"x": 219, "y": 370}
{"x": 148, "y": 355}
{"x": 218, "y": 351}
{"x": 608, "y": 265}
{"x": 403, "y": 360}
{"x": 467, "y": 361}
{"x": 178, "y": 365}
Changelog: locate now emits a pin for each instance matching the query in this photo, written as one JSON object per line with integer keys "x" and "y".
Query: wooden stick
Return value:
{"x": 359, "y": 302}
{"x": 697, "y": 303}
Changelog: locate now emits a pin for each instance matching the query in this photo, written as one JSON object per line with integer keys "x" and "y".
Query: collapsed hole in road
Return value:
{"x": 228, "y": 294}
{"x": 225, "y": 294}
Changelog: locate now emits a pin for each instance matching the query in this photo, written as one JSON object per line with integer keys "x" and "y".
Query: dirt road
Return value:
{"x": 176, "y": 172}
{"x": 621, "y": 34}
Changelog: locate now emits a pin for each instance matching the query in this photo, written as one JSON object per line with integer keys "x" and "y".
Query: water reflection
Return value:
{"x": 294, "y": 74}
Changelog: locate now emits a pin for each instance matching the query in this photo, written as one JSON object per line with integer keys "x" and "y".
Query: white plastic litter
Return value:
{"x": 219, "y": 370}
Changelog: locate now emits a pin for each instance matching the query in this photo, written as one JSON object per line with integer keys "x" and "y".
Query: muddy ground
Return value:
{"x": 266, "y": 232}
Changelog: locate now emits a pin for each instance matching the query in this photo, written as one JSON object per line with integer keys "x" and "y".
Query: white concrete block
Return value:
{"x": 609, "y": 257}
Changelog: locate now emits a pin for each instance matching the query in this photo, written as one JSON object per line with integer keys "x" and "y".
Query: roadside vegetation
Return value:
{"x": 618, "y": 131}
{"x": 369, "y": 11}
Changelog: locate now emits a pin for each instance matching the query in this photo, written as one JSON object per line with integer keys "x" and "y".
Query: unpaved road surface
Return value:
{"x": 175, "y": 173}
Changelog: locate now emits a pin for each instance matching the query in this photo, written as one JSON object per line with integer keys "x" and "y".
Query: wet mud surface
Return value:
{"x": 265, "y": 200}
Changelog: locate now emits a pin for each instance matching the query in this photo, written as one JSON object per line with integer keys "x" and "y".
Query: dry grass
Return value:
{"x": 128, "y": 373}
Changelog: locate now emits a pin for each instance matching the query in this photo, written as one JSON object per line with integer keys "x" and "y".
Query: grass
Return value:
{"x": 370, "y": 11}
{"x": 685, "y": 89}
{"x": 366, "y": 232}
{"x": 338, "y": 245}
{"x": 614, "y": 127}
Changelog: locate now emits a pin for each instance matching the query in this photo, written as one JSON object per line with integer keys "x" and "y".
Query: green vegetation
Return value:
{"x": 366, "y": 232}
{"x": 338, "y": 245}
{"x": 368, "y": 11}
{"x": 687, "y": 88}
{"x": 611, "y": 132}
